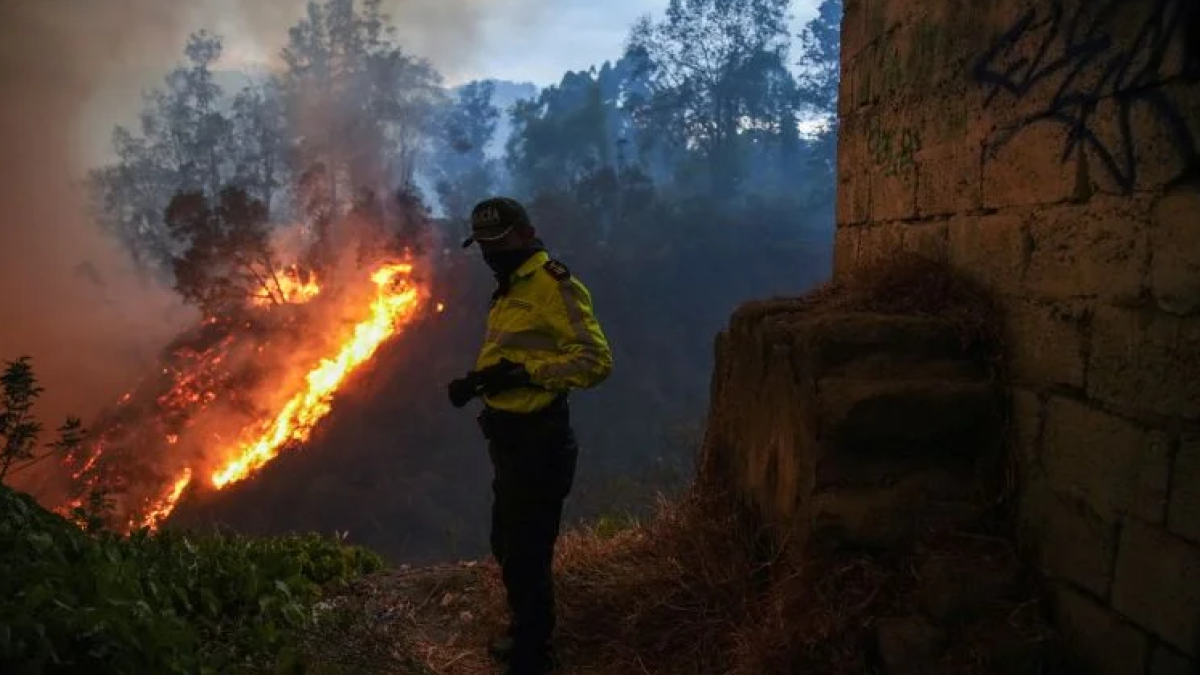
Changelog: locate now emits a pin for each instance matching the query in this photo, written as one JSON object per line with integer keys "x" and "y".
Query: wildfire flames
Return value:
{"x": 201, "y": 381}
{"x": 298, "y": 416}
{"x": 289, "y": 286}
{"x": 164, "y": 506}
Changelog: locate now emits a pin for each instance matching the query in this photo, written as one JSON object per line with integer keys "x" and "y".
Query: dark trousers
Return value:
{"x": 534, "y": 458}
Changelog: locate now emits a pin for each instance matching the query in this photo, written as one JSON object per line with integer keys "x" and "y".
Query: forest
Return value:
{"x": 690, "y": 173}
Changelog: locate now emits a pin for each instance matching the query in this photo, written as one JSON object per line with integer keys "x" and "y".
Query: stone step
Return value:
{"x": 884, "y": 517}
{"x": 862, "y": 346}
{"x": 924, "y": 416}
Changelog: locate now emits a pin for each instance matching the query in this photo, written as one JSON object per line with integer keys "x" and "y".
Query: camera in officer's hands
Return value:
{"x": 502, "y": 376}
{"x": 494, "y": 379}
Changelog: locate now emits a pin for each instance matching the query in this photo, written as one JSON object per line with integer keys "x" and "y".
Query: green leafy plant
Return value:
{"x": 20, "y": 429}
{"x": 76, "y": 598}
{"x": 166, "y": 602}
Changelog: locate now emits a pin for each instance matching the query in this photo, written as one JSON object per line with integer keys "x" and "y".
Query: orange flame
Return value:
{"x": 288, "y": 287}
{"x": 163, "y": 507}
{"x": 194, "y": 384}
{"x": 300, "y": 414}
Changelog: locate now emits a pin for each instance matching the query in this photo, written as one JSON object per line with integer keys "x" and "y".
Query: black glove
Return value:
{"x": 464, "y": 389}
{"x": 502, "y": 377}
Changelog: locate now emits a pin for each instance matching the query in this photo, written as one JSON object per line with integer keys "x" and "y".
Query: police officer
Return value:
{"x": 542, "y": 341}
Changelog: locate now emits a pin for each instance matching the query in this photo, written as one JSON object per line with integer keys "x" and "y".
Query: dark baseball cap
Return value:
{"x": 492, "y": 219}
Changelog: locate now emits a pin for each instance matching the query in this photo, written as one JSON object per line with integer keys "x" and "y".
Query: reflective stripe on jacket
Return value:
{"x": 545, "y": 322}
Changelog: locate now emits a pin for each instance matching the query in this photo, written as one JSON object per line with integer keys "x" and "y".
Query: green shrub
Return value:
{"x": 169, "y": 602}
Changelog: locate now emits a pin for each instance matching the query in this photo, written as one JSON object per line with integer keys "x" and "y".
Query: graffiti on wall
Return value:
{"x": 1095, "y": 71}
{"x": 893, "y": 150}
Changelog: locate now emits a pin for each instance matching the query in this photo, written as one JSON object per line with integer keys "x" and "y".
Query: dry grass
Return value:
{"x": 683, "y": 594}
{"x": 912, "y": 285}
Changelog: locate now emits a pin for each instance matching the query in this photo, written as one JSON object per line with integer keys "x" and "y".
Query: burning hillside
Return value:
{"x": 237, "y": 390}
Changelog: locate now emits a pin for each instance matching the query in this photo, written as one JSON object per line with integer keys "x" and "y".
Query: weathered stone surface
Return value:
{"x": 1157, "y": 584}
{"x": 1012, "y": 59}
{"x": 1145, "y": 361}
{"x": 934, "y": 40}
{"x": 845, "y": 250}
{"x": 1028, "y": 414}
{"x": 1072, "y": 542}
{"x": 848, "y": 88}
{"x": 884, "y": 516}
{"x": 1167, "y": 661}
{"x": 1024, "y": 167}
{"x": 949, "y": 122}
{"x": 888, "y": 83}
{"x": 1067, "y": 222}
{"x": 1175, "y": 275}
{"x": 1109, "y": 463}
{"x": 869, "y": 346}
{"x": 907, "y": 643}
{"x": 1183, "y": 513}
{"x": 1046, "y": 344}
{"x": 943, "y": 416}
{"x": 894, "y": 194}
{"x": 767, "y": 422}
{"x": 853, "y": 197}
{"x": 927, "y": 240}
{"x": 892, "y": 143}
{"x": 854, "y": 28}
{"x": 949, "y": 178}
{"x": 1099, "y": 249}
{"x": 879, "y": 242}
{"x": 1105, "y": 643}
{"x": 956, "y": 587}
{"x": 993, "y": 249}
{"x": 853, "y": 171}
{"x": 1153, "y": 151}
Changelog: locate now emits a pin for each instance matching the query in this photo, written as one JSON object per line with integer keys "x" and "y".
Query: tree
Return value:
{"x": 182, "y": 146}
{"x": 820, "y": 59}
{"x": 19, "y": 429}
{"x": 715, "y": 68}
{"x": 463, "y": 173}
{"x": 228, "y": 261}
{"x": 358, "y": 108}
{"x": 258, "y": 140}
{"x": 350, "y": 111}
{"x": 574, "y": 129}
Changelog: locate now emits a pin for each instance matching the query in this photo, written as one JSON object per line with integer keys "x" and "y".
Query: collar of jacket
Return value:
{"x": 538, "y": 259}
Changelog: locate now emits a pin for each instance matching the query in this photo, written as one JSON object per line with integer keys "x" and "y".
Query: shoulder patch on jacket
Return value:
{"x": 557, "y": 270}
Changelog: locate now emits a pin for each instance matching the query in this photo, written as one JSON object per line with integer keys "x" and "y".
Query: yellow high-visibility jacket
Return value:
{"x": 545, "y": 322}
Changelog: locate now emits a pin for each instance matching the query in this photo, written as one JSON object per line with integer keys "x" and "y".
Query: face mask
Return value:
{"x": 504, "y": 263}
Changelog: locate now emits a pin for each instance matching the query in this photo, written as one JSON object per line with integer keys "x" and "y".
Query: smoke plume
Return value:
{"x": 68, "y": 296}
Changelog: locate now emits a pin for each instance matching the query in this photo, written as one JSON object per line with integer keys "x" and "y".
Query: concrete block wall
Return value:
{"x": 1052, "y": 149}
